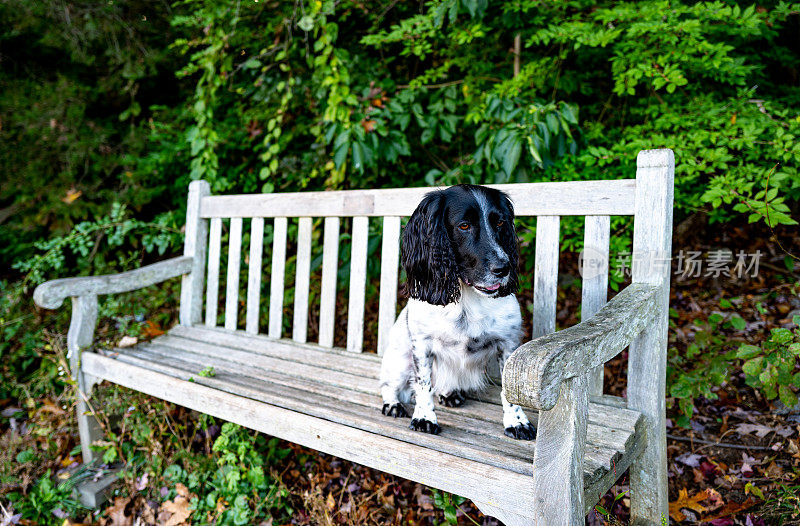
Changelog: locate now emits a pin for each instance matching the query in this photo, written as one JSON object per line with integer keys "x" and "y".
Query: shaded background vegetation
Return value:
{"x": 109, "y": 109}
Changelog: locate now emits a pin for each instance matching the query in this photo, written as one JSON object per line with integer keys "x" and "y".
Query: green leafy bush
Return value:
{"x": 239, "y": 490}
{"x": 770, "y": 367}
{"x": 47, "y": 503}
{"x": 705, "y": 365}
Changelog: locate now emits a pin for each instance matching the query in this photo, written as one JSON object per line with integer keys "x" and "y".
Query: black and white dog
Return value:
{"x": 460, "y": 256}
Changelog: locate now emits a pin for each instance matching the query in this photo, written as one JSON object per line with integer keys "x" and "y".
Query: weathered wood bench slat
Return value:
{"x": 358, "y": 282}
{"x": 572, "y": 198}
{"x": 277, "y": 276}
{"x": 330, "y": 270}
{"x": 232, "y": 278}
{"x": 610, "y": 442}
{"x": 545, "y": 275}
{"x": 212, "y": 290}
{"x": 302, "y": 280}
{"x": 194, "y": 246}
{"x": 334, "y": 358}
{"x": 456, "y": 441}
{"x": 363, "y": 365}
{"x": 337, "y": 376}
{"x": 253, "y": 310}
{"x": 390, "y": 255}
{"x": 346, "y": 379}
{"x": 406, "y": 460}
{"x": 594, "y": 293}
{"x": 286, "y": 391}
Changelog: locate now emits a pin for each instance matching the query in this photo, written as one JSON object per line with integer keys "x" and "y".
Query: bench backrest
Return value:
{"x": 597, "y": 200}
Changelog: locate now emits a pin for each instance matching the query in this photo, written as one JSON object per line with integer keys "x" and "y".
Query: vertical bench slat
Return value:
{"x": 254, "y": 275}
{"x": 358, "y": 280}
{"x": 194, "y": 246}
{"x": 390, "y": 253}
{"x": 232, "y": 281}
{"x": 301, "y": 281}
{"x": 330, "y": 269}
{"x": 595, "y": 280}
{"x": 545, "y": 275}
{"x": 212, "y": 293}
{"x": 276, "y": 277}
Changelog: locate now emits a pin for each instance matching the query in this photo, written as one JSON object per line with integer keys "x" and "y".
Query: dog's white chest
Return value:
{"x": 473, "y": 324}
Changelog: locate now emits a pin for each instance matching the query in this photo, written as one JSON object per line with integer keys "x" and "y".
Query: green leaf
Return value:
{"x": 450, "y": 515}
{"x": 737, "y": 322}
{"x": 787, "y": 396}
{"x": 306, "y": 23}
{"x": 25, "y": 456}
{"x": 358, "y": 157}
{"x": 754, "y": 366}
{"x": 511, "y": 158}
{"x": 746, "y": 351}
{"x": 751, "y": 488}
{"x": 340, "y": 154}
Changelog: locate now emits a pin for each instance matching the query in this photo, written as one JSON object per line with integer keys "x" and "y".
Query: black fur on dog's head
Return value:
{"x": 466, "y": 233}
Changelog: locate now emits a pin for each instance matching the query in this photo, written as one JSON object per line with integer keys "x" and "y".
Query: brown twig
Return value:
{"x": 719, "y": 444}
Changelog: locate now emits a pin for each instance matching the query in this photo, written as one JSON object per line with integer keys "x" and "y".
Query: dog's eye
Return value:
{"x": 464, "y": 226}
{"x": 500, "y": 223}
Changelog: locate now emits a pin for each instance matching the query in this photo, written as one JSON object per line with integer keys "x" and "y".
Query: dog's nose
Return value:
{"x": 500, "y": 269}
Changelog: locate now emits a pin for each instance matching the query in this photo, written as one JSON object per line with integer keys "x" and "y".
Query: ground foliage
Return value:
{"x": 108, "y": 110}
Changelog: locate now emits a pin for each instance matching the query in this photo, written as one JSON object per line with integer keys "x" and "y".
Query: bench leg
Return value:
{"x": 558, "y": 460}
{"x": 647, "y": 356}
{"x": 646, "y": 393}
{"x": 79, "y": 337}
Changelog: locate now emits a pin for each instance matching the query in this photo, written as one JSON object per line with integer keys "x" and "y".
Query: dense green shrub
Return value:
{"x": 128, "y": 101}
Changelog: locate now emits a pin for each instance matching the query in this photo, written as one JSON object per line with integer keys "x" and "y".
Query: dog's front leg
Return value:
{"x": 424, "y": 417}
{"x": 515, "y": 421}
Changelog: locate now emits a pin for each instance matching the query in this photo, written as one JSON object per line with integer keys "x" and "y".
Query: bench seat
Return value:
{"x": 284, "y": 380}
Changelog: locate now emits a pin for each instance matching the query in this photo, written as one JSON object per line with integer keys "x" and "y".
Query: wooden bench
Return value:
{"x": 327, "y": 398}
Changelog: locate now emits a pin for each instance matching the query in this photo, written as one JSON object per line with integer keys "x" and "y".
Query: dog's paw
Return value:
{"x": 521, "y": 432}
{"x": 395, "y": 410}
{"x": 454, "y": 399}
{"x": 426, "y": 426}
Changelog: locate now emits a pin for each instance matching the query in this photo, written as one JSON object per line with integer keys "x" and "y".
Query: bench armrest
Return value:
{"x": 51, "y": 294}
{"x": 533, "y": 374}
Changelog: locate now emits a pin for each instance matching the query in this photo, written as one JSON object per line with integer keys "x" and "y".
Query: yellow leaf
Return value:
{"x": 685, "y": 502}
{"x": 72, "y": 195}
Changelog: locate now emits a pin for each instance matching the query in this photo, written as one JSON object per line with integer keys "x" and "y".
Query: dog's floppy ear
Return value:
{"x": 507, "y": 238}
{"x": 427, "y": 255}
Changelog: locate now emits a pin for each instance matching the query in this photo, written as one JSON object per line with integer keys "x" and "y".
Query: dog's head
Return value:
{"x": 466, "y": 233}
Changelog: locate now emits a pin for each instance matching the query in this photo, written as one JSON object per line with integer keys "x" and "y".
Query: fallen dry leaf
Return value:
{"x": 685, "y": 502}
{"x": 732, "y": 507}
{"x": 178, "y": 507}
{"x": 118, "y": 514}
{"x": 761, "y": 431}
{"x": 151, "y": 329}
